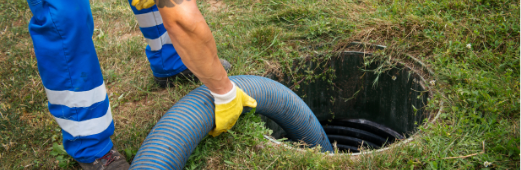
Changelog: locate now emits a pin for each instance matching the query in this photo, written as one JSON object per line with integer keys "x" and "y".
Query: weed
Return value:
{"x": 471, "y": 46}
{"x": 264, "y": 37}
{"x": 64, "y": 160}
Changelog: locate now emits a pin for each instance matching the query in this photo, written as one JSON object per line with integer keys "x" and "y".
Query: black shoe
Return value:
{"x": 112, "y": 160}
{"x": 185, "y": 75}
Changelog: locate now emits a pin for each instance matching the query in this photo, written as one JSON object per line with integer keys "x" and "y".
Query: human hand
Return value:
{"x": 228, "y": 108}
{"x": 143, "y": 4}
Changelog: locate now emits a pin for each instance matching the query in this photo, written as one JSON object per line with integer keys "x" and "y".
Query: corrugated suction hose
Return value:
{"x": 178, "y": 132}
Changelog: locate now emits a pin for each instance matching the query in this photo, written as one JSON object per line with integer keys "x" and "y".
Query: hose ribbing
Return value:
{"x": 175, "y": 136}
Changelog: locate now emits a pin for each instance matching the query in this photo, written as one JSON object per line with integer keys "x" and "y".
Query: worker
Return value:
{"x": 62, "y": 31}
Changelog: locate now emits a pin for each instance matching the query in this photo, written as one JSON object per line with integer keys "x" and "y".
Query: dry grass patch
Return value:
{"x": 127, "y": 36}
{"x": 216, "y": 6}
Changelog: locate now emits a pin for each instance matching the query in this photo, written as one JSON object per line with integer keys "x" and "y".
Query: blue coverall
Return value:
{"x": 61, "y": 31}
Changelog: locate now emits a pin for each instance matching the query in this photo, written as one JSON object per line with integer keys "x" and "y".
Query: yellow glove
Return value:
{"x": 143, "y": 4}
{"x": 228, "y": 108}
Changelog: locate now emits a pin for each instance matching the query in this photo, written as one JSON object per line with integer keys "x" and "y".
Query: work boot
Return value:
{"x": 110, "y": 161}
{"x": 185, "y": 75}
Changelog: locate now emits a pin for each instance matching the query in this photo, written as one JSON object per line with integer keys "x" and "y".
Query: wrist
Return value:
{"x": 226, "y": 97}
{"x": 218, "y": 85}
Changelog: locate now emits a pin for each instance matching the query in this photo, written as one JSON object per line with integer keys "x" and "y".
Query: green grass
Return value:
{"x": 472, "y": 46}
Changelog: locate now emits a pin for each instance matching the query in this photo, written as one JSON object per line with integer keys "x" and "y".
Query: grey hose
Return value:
{"x": 175, "y": 136}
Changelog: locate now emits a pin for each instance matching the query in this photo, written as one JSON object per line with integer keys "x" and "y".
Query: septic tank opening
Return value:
{"x": 357, "y": 107}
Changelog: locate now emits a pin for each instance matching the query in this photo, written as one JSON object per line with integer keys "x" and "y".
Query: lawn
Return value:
{"x": 472, "y": 46}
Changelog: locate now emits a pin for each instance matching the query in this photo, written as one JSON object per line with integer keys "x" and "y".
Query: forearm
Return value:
{"x": 195, "y": 44}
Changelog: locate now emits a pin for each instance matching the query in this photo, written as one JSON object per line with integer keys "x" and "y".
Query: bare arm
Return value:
{"x": 194, "y": 42}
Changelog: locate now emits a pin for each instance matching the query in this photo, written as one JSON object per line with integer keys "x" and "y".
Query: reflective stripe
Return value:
{"x": 77, "y": 99}
{"x": 149, "y": 19}
{"x": 157, "y": 44}
{"x": 86, "y": 127}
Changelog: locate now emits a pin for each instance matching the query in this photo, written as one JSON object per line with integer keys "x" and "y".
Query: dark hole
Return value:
{"x": 354, "y": 110}
{"x": 359, "y": 132}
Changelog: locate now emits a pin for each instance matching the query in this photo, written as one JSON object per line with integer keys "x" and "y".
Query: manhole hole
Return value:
{"x": 358, "y": 107}
{"x": 351, "y": 134}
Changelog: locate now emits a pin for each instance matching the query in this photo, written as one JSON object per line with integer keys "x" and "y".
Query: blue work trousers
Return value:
{"x": 61, "y": 31}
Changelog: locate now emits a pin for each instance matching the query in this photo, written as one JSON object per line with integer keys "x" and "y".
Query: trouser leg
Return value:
{"x": 161, "y": 54}
{"x": 61, "y": 31}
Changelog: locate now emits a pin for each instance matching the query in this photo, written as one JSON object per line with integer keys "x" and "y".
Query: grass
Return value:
{"x": 472, "y": 46}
